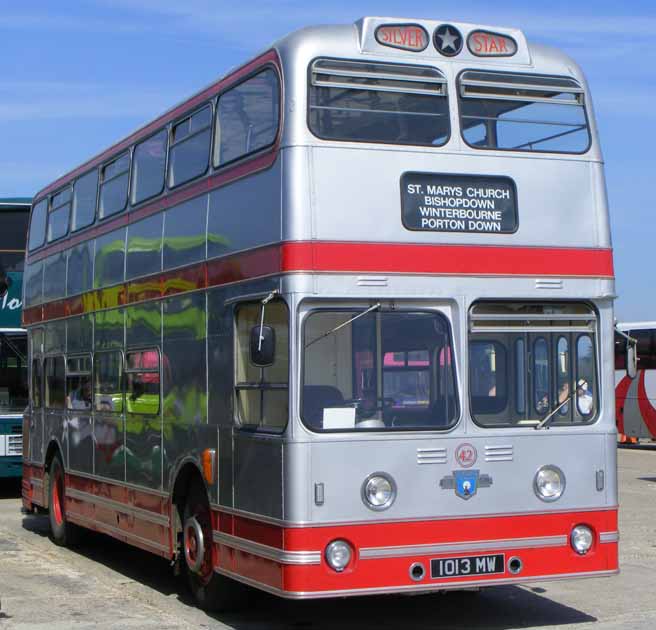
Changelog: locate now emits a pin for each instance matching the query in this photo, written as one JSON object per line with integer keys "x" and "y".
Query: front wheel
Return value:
{"x": 211, "y": 591}
{"x": 62, "y": 532}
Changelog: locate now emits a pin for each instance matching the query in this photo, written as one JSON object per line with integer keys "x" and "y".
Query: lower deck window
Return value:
{"x": 530, "y": 362}
{"x": 377, "y": 370}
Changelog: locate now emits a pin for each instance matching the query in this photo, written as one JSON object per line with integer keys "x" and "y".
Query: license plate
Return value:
{"x": 467, "y": 565}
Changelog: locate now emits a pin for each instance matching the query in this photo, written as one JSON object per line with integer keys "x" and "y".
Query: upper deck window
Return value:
{"x": 189, "y": 155}
{"x": 522, "y": 112}
{"x": 85, "y": 193}
{"x": 114, "y": 186}
{"x": 148, "y": 163}
{"x": 38, "y": 225}
{"x": 247, "y": 118}
{"x": 60, "y": 210}
{"x": 378, "y": 102}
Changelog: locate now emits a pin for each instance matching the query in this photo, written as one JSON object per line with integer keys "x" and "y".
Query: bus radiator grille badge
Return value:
{"x": 465, "y": 482}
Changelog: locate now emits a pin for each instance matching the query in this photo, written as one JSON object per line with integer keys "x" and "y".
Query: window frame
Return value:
{"x": 43, "y": 241}
{"x": 53, "y": 356}
{"x": 217, "y": 98}
{"x": 132, "y": 188}
{"x": 446, "y": 96}
{"x": 79, "y": 373}
{"x": 121, "y": 362}
{"x": 171, "y": 143}
{"x": 237, "y": 422}
{"x": 561, "y": 154}
{"x": 102, "y": 181}
{"x": 73, "y": 230}
{"x": 52, "y": 209}
{"x": 127, "y": 371}
{"x": 458, "y": 415}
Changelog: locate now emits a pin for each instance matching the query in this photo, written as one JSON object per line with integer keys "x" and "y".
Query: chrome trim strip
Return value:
{"x": 609, "y": 537}
{"x": 36, "y": 482}
{"x": 140, "y": 513}
{"x": 265, "y": 551}
{"x": 115, "y": 531}
{"x": 442, "y": 586}
{"x": 114, "y": 482}
{"x": 464, "y": 547}
{"x": 413, "y": 519}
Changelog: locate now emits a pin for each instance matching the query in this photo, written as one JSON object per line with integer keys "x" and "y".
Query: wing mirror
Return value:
{"x": 631, "y": 358}
{"x": 262, "y": 345}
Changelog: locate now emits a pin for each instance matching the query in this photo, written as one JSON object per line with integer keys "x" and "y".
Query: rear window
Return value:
{"x": 38, "y": 225}
{"x": 378, "y": 102}
{"x": 522, "y": 112}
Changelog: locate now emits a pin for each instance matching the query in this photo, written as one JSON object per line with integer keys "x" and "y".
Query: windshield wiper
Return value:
{"x": 346, "y": 323}
{"x": 546, "y": 420}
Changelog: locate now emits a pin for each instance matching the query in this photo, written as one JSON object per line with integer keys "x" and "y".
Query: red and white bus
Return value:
{"x": 339, "y": 324}
{"x": 635, "y": 397}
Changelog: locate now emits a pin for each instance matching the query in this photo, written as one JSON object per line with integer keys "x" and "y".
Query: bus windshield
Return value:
{"x": 13, "y": 372}
{"x": 378, "y": 370}
{"x": 532, "y": 364}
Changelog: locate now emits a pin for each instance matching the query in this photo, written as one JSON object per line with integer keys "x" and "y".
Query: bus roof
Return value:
{"x": 636, "y": 325}
{"x": 13, "y": 202}
{"x": 362, "y": 38}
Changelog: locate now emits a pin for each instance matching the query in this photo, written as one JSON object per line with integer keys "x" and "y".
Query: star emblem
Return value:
{"x": 447, "y": 40}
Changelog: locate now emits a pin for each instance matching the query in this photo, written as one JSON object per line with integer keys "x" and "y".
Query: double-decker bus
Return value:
{"x": 14, "y": 215}
{"x": 339, "y": 324}
{"x": 635, "y": 395}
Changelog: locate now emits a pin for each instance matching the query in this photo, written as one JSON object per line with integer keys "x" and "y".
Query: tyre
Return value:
{"x": 211, "y": 591}
{"x": 62, "y": 532}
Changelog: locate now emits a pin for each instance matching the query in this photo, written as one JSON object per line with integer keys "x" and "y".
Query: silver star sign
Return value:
{"x": 448, "y": 40}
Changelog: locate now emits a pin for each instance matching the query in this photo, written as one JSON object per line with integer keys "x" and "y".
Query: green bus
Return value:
{"x": 14, "y": 215}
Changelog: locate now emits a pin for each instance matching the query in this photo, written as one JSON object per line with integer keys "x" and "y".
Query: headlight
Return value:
{"x": 378, "y": 491}
{"x": 581, "y": 539}
{"x": 338, "y": 555}
{"x": 549, "y": 483}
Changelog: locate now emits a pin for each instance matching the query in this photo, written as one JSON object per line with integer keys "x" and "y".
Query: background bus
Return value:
{"x": 14, "y": 214}
{"x": 635, "y": 399}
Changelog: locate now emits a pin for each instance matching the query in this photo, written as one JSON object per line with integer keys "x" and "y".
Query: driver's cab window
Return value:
{"x": 262, "y": 392}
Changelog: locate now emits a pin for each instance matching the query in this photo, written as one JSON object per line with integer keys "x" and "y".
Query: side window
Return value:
{"x": 489, "y": 388}
{"x": 645, "y": 348}
{"x": 143, "y": 382}
{"x": 38, "y": 225}
{"x": 541, "y": 376}
{"x": 262, "y": 392}
{"x": 36, "y": 383}
{"x": 107, "y": 381}
{"x": 148, "y": 164}
{"x": 85, "y": 194}
{"x": 55, "y": 382}
{"x": 520, "y": 376}
{"x": 585, "y": 370}
{"x": 114, "y": 186}
{"x": 247, "y": 118}
{"x": 189, "y": 155}
{"x": 60, "y": 212}
{"x": 78, "y": 383}
{"x": 563, "y": 375}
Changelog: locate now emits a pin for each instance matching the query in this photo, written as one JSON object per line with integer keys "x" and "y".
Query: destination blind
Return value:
{"x": 436, "y": 202}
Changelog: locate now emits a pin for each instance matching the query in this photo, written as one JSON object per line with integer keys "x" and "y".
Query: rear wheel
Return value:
{"x": 62, "y": 532}
{"x": 210, "y": 590}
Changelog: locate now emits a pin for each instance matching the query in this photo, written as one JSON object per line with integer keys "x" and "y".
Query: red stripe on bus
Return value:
{"x": 343, "y": 257}
{"x": 621, "y": 392}
{"x": 268, "y": 57}
{"x": 330, "y": 257}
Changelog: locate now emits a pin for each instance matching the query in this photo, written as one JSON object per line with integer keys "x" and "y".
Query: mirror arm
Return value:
{"x": 264, "y": 302}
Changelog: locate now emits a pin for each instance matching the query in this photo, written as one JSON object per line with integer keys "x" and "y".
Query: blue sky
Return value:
{"x": 77, "y": 76}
